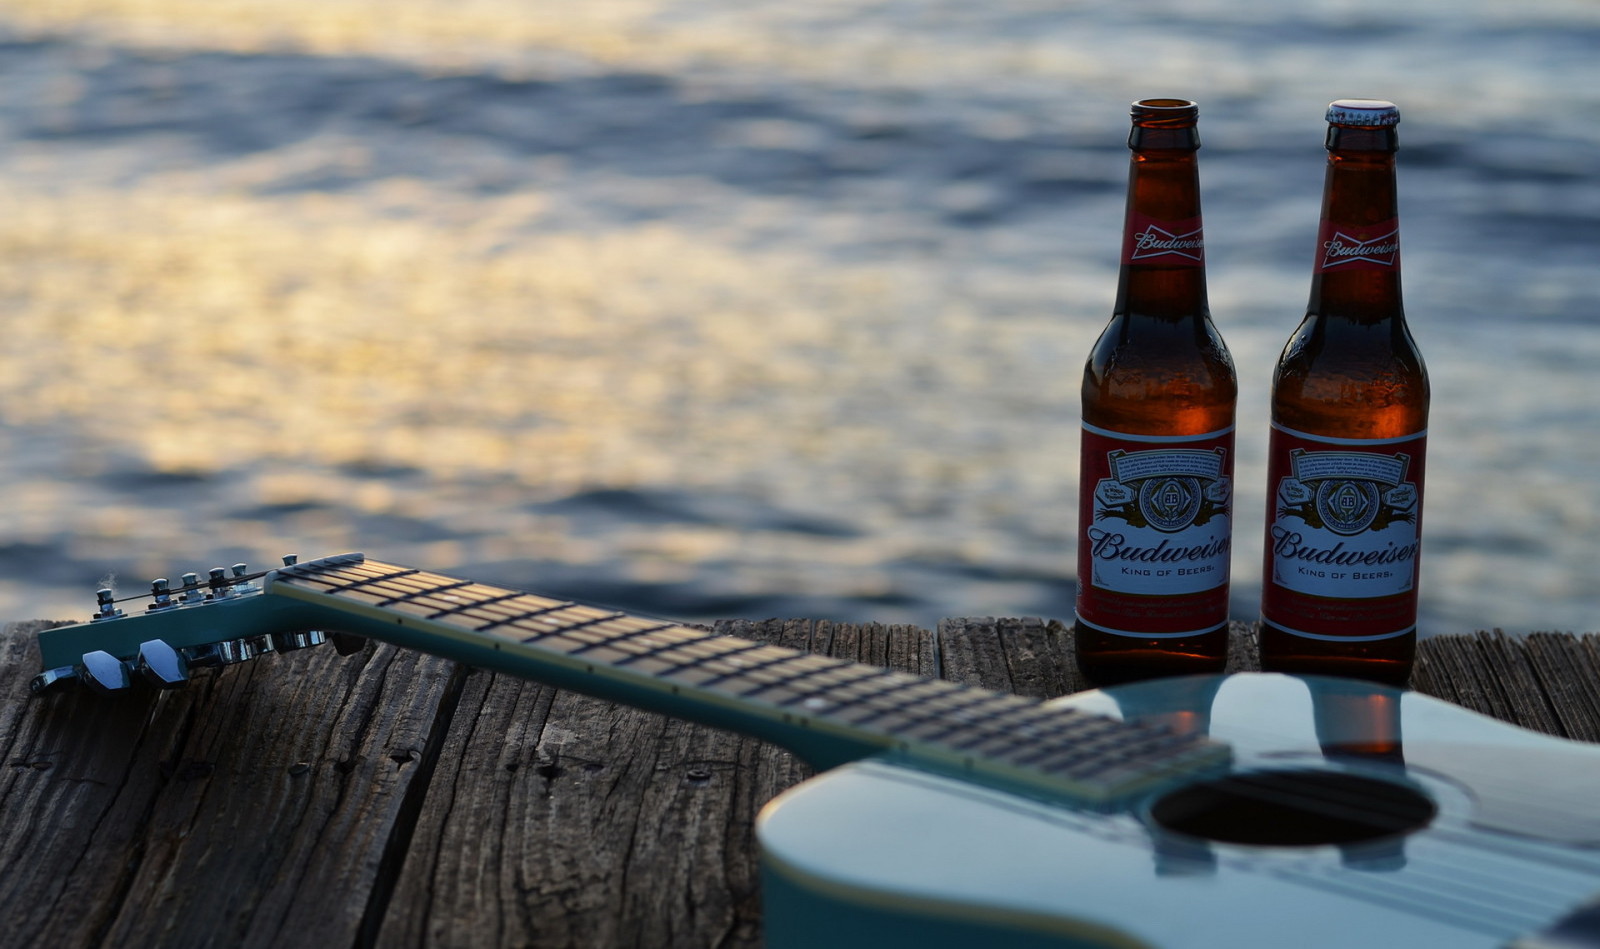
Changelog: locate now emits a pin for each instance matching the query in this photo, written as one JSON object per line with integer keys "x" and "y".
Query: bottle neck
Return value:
{"x": 1163, "y": 245}
{"x": 1356, "y": 275}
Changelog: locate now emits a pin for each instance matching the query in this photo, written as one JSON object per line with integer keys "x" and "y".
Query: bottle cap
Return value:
{"x": 1363, "y": 113}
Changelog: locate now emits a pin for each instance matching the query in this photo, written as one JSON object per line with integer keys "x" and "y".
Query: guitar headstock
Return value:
{"x": 158, "y": 637}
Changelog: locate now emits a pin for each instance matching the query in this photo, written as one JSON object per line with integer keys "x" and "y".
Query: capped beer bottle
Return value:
{"x": 1349, "y": 428}
{"x": 1156, "y": 477}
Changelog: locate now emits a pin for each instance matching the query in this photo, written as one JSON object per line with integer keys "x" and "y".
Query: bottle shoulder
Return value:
{"x": 1358, "y": 380}
{"x": 1172, "y": 379}
{"x": 1323, "y": 345}
{"x": 1134, "y": 343}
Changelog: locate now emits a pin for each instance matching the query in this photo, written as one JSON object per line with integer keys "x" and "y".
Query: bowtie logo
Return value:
{"x": 1341, "y": 248}
{"x": 1156, "y": 241}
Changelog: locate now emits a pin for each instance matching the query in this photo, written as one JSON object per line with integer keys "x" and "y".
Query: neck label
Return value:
{"x": 1343, "y": 247}
{"x": 1344, "y": 529}
{"x": 1157, "y": 242}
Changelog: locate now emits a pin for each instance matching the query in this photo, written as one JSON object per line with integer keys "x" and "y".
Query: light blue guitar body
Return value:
{"x": 1255, "y": 810}
{"x": 874, "y": 854}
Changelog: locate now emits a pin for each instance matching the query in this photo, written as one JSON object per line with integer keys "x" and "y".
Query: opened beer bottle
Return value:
{"x": 1156, "y": 477}
{"x": 1349, "y": 428}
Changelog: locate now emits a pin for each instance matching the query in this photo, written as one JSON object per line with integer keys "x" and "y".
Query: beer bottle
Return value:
{"x": 1156, "y": 475}
{"x": 1349, "y": 426}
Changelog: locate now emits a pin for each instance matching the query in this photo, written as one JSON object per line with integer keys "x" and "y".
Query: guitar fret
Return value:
{"x": 904, "y": 722}
{"x": 655, "y": 658}
{"x": 488, "y": 616}
{"x": 992, "y": 734}
{"x": 449, "y": 597}
{"x": 645, "y": 664}
{"x": 1085, "y": 757}
{"x": 500, "y": 597}
{"x": 449, "y": 609}
{"x": 655, "y": 641}
{"x": 827, "y": 683}
{"x": 1014, "y": 744}
{"x": 428, "y": 595}
{"x": 496, "y": 606}
{"x": 764, "y": 658}
{"x": 565, "y": 628}
{"x": 1081, "y": 736}
{"x": 866, "y": 689}
{"x": 339, "y": 574}
{"x": 379, "y": 577}
{"x": 875, "y": 707}
{"x": 514, "y": 618}
{"x": 953, "y": 719}
{"x": 864, "y": 709}
{"x": 888, "y": 720}
{"x": 715, "y": 665}
{"x": 778, "y": 672}
{"x": 617, "y": 648}
{"x": 410, "y": 591}
{"x": 602, "y": 653}
{"x": 798, "y": 687}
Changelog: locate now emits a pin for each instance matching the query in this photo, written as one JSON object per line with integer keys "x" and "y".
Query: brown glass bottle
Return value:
{"x": 1349, "y": 429}
{"x": 1159, "y": 392}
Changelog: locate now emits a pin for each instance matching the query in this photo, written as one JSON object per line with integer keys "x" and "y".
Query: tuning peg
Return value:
{"x": 192, "y": 592}
{"x": 103, "y": 672}
{"x": 297, "y": 639}
{"x": 161, "y": 665}
{"x": 240, "y": 584}
{"x": 290, "y": 560}
{"x": 160, "y": 595}
{"x": 219, "y": 583}
{"x": 106, "y": 605}
{"x": 53, "y": 680}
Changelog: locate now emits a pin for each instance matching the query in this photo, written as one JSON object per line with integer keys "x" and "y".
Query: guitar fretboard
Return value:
{"x": 792, "y": 697}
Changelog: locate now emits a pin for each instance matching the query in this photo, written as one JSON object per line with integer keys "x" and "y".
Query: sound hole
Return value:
{"x": 1299, "y": 808}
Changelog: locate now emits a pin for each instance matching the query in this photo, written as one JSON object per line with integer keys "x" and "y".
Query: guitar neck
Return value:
{"x": 828, "y": 711}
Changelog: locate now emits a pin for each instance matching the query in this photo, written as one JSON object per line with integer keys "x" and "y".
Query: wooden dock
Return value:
{"x": 396, "y": 799}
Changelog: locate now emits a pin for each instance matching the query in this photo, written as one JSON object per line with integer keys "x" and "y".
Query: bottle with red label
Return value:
{"x": 1349, "y": 433}
{"x": 1156, "y": 477}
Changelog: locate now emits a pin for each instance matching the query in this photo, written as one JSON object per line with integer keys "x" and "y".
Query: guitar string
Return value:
{"x": 1531, "y": 804}
{"x": 1330, "y": 806}
{"x": 1313, "y": 805}
{"x": 445, "y": 583}
{"x": 900, "y": 705}
{"x": 1437, "y": 892}
{"x": 1531, "y": 856}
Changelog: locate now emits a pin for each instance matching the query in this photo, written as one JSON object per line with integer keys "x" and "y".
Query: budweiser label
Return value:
{"x": 1155, "y": 532}
{"x": 1164, "y": 243}
{"x": 1344, "y": 525}
{"x": 1343, "y": 247}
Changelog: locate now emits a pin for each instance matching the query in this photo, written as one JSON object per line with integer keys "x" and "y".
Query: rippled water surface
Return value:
{"x": 757, "y": 308}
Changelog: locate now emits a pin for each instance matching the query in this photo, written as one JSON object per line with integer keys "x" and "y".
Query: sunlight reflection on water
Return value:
{"x": 712, "y": 309}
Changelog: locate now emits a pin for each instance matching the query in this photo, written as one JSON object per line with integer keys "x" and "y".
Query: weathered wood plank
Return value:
{"x": 562, "y": 821}
{"x": 253, "y": 806}
{"x": 1545, "y": 682}
{"x": 396, "y": 799}
{"x": 1034, "y": 657}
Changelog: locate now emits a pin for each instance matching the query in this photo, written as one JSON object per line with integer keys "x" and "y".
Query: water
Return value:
{"x": 710, "y": 308}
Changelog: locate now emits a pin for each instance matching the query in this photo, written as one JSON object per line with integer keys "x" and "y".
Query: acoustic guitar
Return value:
{"x": 1247, "y": 810}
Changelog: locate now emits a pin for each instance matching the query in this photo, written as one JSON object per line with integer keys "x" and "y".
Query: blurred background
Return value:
{"x": 741, "y": 307}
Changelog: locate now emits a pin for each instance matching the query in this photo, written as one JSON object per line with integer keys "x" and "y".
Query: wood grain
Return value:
{"x": 562, "y": 821}
{"x": 396, "y": 799}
